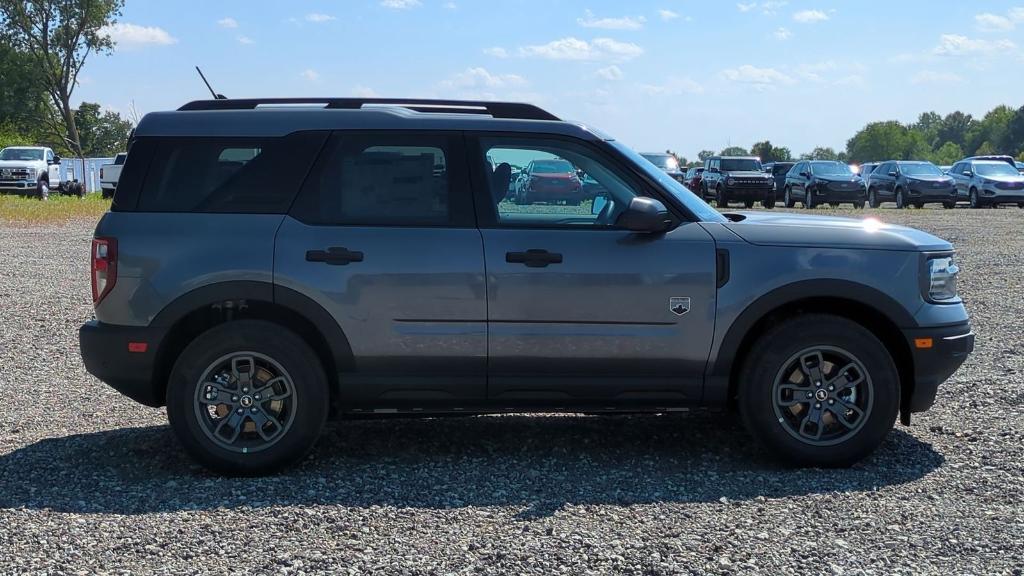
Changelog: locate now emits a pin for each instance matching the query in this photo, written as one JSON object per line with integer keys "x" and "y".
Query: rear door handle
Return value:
{"x": 334, "y": 256}
{"x": 533, "y": 258}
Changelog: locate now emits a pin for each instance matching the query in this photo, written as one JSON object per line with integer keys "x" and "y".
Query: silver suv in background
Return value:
{"x": 265, "y": 267}
{"x": 988, "y": 183}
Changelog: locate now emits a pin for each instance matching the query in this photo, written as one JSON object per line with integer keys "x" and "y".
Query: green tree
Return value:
{"x": 735, "y": 151}
{"x": 55, "y": 37}
{"x": 769, "y": 153}
{"x": 890, "y": 140}
{"x": 986, "y": 149}
{"x": 928, "y": 124}
{"x": 954, "y": 128}
{"x": 993, "y": 128}
{"x": 824, "y": 153}
{"x": 101, "y": 133}
{"x": 704, "y": 155}
{"x": 948, "y": 153}
{"x": 1015, "y": 132}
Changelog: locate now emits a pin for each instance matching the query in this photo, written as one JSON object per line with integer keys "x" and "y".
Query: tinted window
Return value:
{"x": 21, "y": 154}
{"x": 385, "y": 179}
{"x": 995, "y": 169}
{"x": 240, "y": 175}
{"x": 923, "y": 169}
{"x": 741, "y": 165}
{"x": 830, "y": 169}
{"x": 884, "y": 169}
{"x": 119, "y": 159}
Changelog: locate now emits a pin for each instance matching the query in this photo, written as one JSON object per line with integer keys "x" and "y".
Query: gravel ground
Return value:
{"x": 90, "y": 482}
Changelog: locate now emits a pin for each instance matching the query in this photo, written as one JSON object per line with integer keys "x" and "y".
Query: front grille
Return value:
{"x": 750, "y": 183}
{"x": 844, "y": 186}
{"x": 1010, "y": 185}
{"x": 14, "y": 174}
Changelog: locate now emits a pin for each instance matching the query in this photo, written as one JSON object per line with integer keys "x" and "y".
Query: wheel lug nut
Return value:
{"x": 239, "y": 410}
{"x": 818, "y": 405}
{"x": 245, "y": 389}
{"x": 234, "y": 398}
{"x": 817, "y": 384}
{"x": 831, "y": 387}
{"x": 831, "y": 401}
{"x": 810, "y": 395}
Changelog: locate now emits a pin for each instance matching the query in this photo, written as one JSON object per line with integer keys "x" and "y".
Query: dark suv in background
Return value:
{"x": 668, "y": 164}
{"x": 910, "y": 183}
{"x": 737, "y": 179}
{"x": 778, "y": 171}
{"x": 817, "y": 182}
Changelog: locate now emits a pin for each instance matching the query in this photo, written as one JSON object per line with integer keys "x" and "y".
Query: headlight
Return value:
{"x": 942, "y": 273}
{"x": 730, "y": 182}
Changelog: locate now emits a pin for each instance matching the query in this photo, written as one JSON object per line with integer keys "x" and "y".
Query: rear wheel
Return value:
{"x": 720, "y": 198}
{"x": 834, "y": 205}
{"x": 859, "y": 205}
{"x": 819, "y": 390}
{"x": 949, "y": 205}
{"x": 247, "y": 398}
{"x": 808, "y": 199}
{"x": 901, "y": 202}
{"x": 748, "y": 204}
{"x": 918, "y": 205}
{"x": 975, "y": 200}
{"x": 769, "y": 201}
{"x": 873, "y": 198}
{"x": 787, "y": 198}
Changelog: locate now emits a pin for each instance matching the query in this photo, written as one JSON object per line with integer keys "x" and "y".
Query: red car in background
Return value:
{"x": 693, "y": 176}
{"x": 549, "y": 181}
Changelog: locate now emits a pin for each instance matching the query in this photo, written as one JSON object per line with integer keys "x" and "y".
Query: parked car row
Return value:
{"x": 982, "y": 181}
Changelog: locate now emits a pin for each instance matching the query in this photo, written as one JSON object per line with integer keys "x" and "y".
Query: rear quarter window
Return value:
{"x": 226, "y": 175}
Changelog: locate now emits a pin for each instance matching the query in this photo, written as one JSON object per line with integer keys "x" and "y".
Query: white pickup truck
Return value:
{"x": 110, "y": 174}
{"x": 29, "y": 169}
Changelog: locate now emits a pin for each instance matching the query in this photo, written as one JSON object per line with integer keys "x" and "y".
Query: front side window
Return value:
{"x": 556, "y": 183}
{"x": 387, "y": 179}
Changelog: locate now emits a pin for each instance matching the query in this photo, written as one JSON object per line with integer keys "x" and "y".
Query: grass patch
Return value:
{"x": 16, "y": 209}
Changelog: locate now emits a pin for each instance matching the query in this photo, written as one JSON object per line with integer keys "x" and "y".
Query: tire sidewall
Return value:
{"x": 779, "y": 345}
{"x": 276, "y": 342}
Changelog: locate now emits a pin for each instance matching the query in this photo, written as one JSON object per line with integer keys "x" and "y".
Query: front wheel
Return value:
{"x": 748, "y": 204}
{"x": 949, "y": 205}
{"x": 901, "y": 202}
{"x": 720, "y": 199}
{"x": 975, "y": 200}
{"x": 769, "y": 202}
{"x": 247, "y": 398}
{"x": 873, "y": 199}
{"x": 819, "y": 390}
{"x": 43, "y": 190}
{"x": 808, "y": 200}
{"x": 787, "y": 199}
{"x": 859, "y": 205}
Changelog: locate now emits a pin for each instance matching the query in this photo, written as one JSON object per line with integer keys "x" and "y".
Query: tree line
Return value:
{"x": 44, "y": 45}
{"x": 933, "y": 137}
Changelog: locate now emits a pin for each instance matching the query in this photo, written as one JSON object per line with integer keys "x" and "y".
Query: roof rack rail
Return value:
{"x": 494, "y": 109}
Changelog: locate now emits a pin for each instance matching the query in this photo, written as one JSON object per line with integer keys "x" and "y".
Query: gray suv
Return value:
{"x": 268, "y": 264}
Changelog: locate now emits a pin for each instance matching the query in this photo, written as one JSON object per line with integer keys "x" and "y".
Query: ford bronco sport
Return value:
{"x": 264, "y": 267}
{"x": 737, "y": 179}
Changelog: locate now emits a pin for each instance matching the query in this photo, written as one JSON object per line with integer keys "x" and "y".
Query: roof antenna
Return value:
{"x": 210, "y": 88}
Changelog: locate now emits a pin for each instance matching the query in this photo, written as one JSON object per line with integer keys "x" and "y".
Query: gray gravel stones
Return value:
{"x": 90, "y": 482}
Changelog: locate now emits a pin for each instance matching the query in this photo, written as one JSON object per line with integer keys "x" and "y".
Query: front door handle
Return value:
{"x": 533, "y": 258}
{"x": 334, "y": 256}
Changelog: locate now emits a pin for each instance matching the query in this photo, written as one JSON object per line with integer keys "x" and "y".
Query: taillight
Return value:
{"x": 103, "y": 266}
{"x": 101, "y": 173}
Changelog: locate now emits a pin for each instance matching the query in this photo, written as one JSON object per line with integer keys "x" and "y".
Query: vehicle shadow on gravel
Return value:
{"x": 538, "y": 463}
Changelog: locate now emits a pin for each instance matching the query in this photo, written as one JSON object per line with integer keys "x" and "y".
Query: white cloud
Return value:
{"x": 480, "y": 78}
{"x": 318, "y": 18}
{"x": 667, "y": 15}
{"x": 810, "y": 16}
{"x": 622, "y": 23}
{"x": 572, "y": 48}
{"x": 132, "y": 35}
{"x": 932, "y": 77}
{"x": 746, "y": 7}
{"x": 612, "y": 72}
{"x": 245, "y": 40}
{"x": 988, "y": 22}
{"x": 813, "y": 72}
{"x": 451, "y": 6}
{"x": 782, "y": 33}
{"x": 227, "y": 23}
{"x": 851, "y": 80}
{"x": 361, "y": 91}
{"x": 400, "y": 4}
{"x": 769, "y": 8}
{"x": 760, "y": 78}
{"x": 959, "y": 45}
{"x": 310, "y": 74}
{"x": 496, "y": 51}
{"x": 674, "y": 86}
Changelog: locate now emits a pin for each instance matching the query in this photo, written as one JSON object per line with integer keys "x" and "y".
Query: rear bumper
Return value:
{"x": 106, "y": 355}
{"x": 933, "y": 365}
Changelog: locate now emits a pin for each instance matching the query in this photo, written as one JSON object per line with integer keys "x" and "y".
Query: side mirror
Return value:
{"x": 968, "y": 173}
{"x": 805, "y": 174}
{"x": 645, "y": 215}
{"x": 56, "y": 160}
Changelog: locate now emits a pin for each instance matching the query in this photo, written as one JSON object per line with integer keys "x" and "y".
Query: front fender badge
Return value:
{"x": 679, "y": 305}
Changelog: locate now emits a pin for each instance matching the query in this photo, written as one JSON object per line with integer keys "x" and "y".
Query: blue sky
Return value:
{"x": 679, "y": 74}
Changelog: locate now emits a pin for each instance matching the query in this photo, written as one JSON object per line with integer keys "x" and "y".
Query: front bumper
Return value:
{"x": 18, "y": 185}
{"x": 829, "y": 194}
{"x": 743, "y": 193}
{"x": 106, "y": 354}
{"x": 925, "y": 194}
{"x": 999, "y": 196}
{"x": 934, "y": 363}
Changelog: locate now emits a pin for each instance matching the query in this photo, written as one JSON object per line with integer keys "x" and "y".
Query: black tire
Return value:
{"x": 748, "y": 204}
{"x": 949, "y": 205}
{"x": 834, "y": 205}
{"x": 43, "y": 190}
{"x": 771, "y": 355}
{"x": 720, "y": 198}
{"x": 808, "y": 200}
{"x": 919, "y": 205}
{"x": 787, "y": 198}
{"x": 873, "y": 199}
{"x": 859, "y": 205}
{"x": 309, "y": 394}
{"x": 975, "y": 199}
{"x": 769, "y": 202}
{"x": 901, "y": 202}
{"x": 520, "y": 198}
{"x": 1020, "y": 205}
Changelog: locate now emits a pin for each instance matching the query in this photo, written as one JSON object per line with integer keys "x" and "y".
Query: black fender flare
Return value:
{"x": 255, "y": 291}
{"x": 720, "y": 368}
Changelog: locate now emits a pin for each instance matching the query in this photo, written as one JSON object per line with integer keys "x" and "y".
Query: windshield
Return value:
{"x": 925, "y": 169}
{"x": 21, "y": 154}
{"x": 995, "y": 169}
{"x": 553, "y": 167}
{"x": 741, "y": 165}
{"x": 830, "y": 169}
{"x": 698, "y": 207}
{"x": 663, "y": 161}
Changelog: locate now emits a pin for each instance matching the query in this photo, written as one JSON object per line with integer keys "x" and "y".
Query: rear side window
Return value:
{"x": 387, "y": 179}
{"x": 228, "y": 175}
